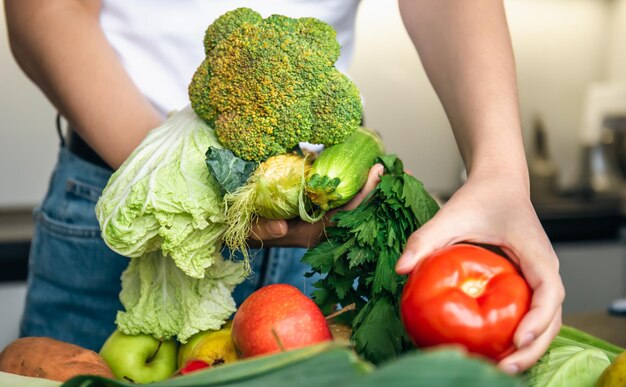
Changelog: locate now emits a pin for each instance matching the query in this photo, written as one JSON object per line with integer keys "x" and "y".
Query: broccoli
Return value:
{"x": 268, "y": 84}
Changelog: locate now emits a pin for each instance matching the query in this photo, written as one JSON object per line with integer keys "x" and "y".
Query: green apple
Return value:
{"x": 140, "y": 358}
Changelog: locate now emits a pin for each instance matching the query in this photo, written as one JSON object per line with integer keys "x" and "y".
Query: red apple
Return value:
{"x": 276, "y": 318}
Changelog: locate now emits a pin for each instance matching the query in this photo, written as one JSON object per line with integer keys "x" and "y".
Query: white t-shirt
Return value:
{"x": 159, "y": 42}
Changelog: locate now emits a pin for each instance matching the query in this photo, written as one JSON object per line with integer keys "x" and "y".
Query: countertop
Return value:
{"x": 576, "y": 216}
{"x": 600, "y": 324}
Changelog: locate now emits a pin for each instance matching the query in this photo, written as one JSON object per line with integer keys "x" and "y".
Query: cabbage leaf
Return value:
{"x": 163, "y": 197}
{"x": 162, "y": 301}
{"x": 568, "y": 366}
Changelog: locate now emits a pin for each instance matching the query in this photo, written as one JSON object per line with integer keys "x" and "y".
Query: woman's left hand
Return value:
{"x": 490, "y": 210}
{"x": 298, "y": 233}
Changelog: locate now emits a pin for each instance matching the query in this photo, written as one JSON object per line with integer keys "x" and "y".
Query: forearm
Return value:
{"x": 466, "y": 51}
{"x": 61, "y": 47}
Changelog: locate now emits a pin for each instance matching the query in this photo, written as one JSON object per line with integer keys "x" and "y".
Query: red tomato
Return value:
{"x": 467, "y": 295}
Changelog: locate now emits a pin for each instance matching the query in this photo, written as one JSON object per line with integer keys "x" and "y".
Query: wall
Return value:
{"x": 28, "y": 142}
{"x": 560, "y": 45}
{"x": 616, "y": 69}
{"x": 399, "y": 100}
{"x": 560, "y": 48}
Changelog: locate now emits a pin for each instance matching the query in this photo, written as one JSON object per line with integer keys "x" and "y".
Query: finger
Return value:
{"x": 268, "y": 229}
{"x": 548, "y": 295}
{"x": 527, "y": 356}
{"x": 373, "y": 178}
{"x": 421, "y": 244}
{"x": 547, "y": 298}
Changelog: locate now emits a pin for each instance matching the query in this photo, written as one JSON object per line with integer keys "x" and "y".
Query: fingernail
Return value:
{"x": 511, "y": 369}
{"x": 379, "y": 169}
{"x": 526, "y": 340}
{"x": 275, "y": 229}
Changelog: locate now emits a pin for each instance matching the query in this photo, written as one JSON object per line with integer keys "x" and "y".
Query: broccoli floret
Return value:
{"x": 268, "y": 84}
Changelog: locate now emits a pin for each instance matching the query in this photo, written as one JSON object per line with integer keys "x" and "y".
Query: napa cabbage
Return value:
{"x": 161, "y": 300}
{"x": 164, "y": 198}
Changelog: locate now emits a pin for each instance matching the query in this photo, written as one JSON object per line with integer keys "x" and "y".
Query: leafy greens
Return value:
{"x": 359, "y": 259}
{"x": 161, "y": 300}
{"x": 574, "y": 358}
{"x": 163, "y": 197}
{"x": 230, "y": 171}
{"x": 569, "y": 366}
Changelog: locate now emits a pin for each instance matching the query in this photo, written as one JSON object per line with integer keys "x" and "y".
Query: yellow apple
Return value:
{"x": 615, "y": 374}
{"x": 212, "y": 347}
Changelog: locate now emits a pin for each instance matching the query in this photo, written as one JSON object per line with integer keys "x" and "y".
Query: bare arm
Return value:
{"x": 61, "y": 47}
{"x": 466, "y": 51}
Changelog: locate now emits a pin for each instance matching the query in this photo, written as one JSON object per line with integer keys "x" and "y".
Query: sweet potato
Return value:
{"x": 43, "y": 357}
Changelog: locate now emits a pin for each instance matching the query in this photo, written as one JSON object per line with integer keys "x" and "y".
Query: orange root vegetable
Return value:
{"x": 47, "y": 358}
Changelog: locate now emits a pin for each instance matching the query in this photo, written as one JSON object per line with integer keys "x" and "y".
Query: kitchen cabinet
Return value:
{"x": 593, "y": 274}
{"x": 588, "y": 233}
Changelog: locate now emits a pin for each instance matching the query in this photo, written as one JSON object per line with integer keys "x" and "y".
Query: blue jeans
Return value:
{"x": 74, "y": 278}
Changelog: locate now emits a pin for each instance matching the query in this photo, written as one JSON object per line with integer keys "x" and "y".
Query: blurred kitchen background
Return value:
{"x": 571, "y": 64}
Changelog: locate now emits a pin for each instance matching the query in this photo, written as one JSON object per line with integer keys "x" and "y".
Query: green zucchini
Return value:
{"x": 341, "y": 170}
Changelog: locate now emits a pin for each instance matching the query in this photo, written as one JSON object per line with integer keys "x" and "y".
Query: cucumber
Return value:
{"x": 341, "y": 170}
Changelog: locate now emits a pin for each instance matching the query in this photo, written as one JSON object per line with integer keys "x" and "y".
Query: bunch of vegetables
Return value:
{"x": 200, "y": 180}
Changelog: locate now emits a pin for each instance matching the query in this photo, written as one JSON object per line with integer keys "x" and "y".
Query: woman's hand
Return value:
{"x": 491, "y": 210}
{"x": 297, "y": 233}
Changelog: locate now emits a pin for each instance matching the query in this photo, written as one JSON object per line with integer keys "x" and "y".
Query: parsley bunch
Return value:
{"x": 359, "y": 259}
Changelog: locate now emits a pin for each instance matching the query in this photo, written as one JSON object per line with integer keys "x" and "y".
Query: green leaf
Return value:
{"x": 364, "y": 214}
{"x": 568, "y": 366}
{"x": 388, "y": 187}
{"x": 342, "y": 286}
{"x": 421, "y": 203}
{"x": 230, "y": 171}
{"x": 366, "y": 231}
{"x": 378, "y": 332}
{"x": 321, "y": 257}
{"x": 440, "y": 368}
{"x": 385, "y": 277}
{"x": 571, "y": 336}
{"x": 360, "y": 255}
{"x": 321, "y": 295}
{"x": 393, "y": 165}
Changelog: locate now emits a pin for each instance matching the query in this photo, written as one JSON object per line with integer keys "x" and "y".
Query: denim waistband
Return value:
{"x": 70, "y": 165}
